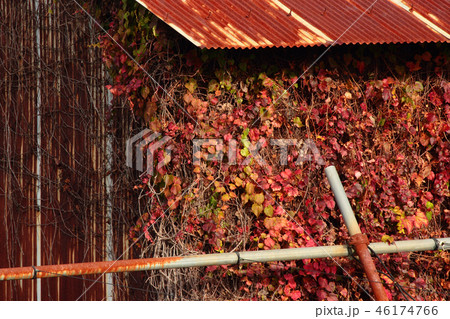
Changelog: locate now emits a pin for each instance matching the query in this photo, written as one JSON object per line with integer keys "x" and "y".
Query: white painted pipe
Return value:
{"x": 246, "y": 257}
{"x": 342, "y": 200}
{"x": 109, "y": 208}
{"x": 38, "y": 150}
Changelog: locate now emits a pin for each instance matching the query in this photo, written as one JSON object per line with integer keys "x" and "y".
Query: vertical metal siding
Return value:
{"x": 74, "y": 104}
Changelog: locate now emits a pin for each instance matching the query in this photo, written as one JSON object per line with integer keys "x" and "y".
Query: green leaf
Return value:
{"x": 298, "y": 122}
{"x": 155, "y": 34}
{"x": 213, "y": 86}
{"x": 191, "y": 85}
{"x": 268, "y": 210}
{"x": 246, "y": 142}
{"x": 418, "y": 87}
{"x": 429, "y": 205}
{"x": 145, "y": 91}
{"x": 245, "y": 134}
{"x": 429, "y": 215}
{"x": 213, "y": 202}
{"x": 245, "y": 152}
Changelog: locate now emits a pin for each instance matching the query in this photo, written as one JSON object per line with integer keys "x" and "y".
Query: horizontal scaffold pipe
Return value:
{"x": 234, "y": 258}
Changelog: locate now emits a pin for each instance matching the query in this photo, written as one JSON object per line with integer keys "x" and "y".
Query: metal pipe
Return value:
{"x": 109, "y": 200}
{"x": 342, "y": 200}
{"x": 38, "y": 148}
{"x": 358, "y": 240}
{"x": 244, "y": 257}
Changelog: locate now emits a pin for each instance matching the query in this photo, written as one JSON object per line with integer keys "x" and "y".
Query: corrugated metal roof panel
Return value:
{"x": 293, "y": 23}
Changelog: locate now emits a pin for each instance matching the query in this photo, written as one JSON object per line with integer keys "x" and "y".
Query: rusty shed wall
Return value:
{"x": 68, "y": 70}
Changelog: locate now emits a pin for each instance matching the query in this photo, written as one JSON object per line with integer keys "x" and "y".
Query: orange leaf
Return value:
{"x": 420, "y": 219}
{"x": 238, "y": 181}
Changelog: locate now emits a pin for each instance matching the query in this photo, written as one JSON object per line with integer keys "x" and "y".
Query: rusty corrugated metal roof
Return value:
{"x": 294, "y": 23}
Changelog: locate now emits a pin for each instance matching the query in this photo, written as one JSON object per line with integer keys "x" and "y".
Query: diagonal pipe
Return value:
{"x": 358, "y": 240}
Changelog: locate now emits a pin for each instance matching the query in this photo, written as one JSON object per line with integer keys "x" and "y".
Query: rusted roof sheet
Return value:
{"x": 294, "y": 23}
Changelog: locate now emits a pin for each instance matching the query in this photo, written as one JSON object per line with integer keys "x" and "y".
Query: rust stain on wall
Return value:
{"x": 74, "y": 116}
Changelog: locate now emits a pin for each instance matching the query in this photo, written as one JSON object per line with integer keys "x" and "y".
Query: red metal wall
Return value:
{"x": 71, "y": 78}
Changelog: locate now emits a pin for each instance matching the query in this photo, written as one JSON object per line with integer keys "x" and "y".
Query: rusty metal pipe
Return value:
{"x": 358, "y": 240}
{"x": 243, "y": 257}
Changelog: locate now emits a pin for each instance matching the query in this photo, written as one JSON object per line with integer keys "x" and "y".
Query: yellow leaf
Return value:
{"x": 238, "y": 181}
{"x": 259, "y": 198}
{"x": 387, "y": 239}
{"x": 225, "y": 197}
{"x": 249, "y": 188}
{"x": 220, "y": 189}
{"x": 257, "y": 209}
{"x": 245, "y": 198}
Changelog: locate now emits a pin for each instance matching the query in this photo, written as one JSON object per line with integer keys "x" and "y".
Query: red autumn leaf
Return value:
{"x": 323, "y": 282}
{"x": 291, "y": 191}
{"x": 329, "y": 201}
{"x": 431, "y": 117}
{"x": 332, "y": 297}
{"x": 321, "y": 294}
{"x": 211, "y": 268}
{"x": 420, "y": 283}
{"x": 269, "y": 242}
{"x": 388, "y": 294}
{"x": 286, "y": 174}
{"x": 295, "y": 295}
{"x": 276, "y": 187}
{"x": 320, "y": 206}
{"x": 386, "y": 94}
{"x": 147, "y": 235}
{"x": 424, "y": 139}
{"x": 254, "y": 134}
{"x": 288, "y": 277}
{"x": 291, "y": 281}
